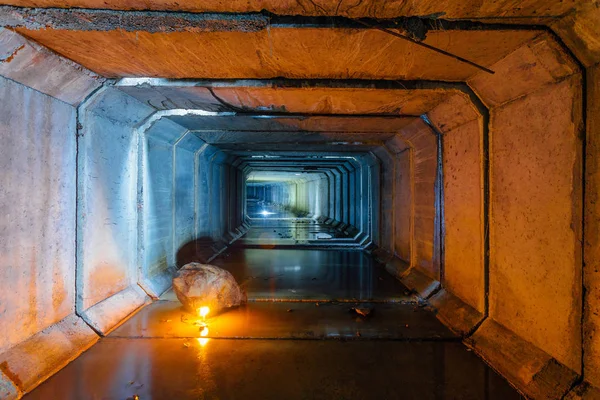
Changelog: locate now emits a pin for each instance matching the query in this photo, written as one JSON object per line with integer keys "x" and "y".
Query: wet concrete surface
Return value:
{"x": 282, "y": 320}
{"x": 272, "y": 226}
{"x": 310, "y": 275}
{"x": 297, "y": 338}
{"x": 274, "y": 369}
{"x": 284, "y": 231}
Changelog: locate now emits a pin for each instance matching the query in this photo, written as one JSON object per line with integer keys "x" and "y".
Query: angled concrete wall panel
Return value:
{"x": 37, "y": 223}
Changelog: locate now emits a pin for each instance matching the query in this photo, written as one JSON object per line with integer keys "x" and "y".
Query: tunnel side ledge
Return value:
{"x": 412, "y": 278}
{"x": 26, "y": 365}
{"x": 531, "y": 370}
{"x": 113, "y": 311}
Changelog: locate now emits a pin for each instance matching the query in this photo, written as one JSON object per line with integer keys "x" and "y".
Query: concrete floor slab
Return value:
{"x": 167, "y": 319}
{"x": 270, "y": 369}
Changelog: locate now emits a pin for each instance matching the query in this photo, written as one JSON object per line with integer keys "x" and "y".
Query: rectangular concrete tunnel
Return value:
{"x": 455, "y": 200}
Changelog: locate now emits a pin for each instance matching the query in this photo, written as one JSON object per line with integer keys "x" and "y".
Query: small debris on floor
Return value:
{"x": 186, "y": 344}
{"x": 290, "y": 310}
{"x": 314, "y": 279}
{"x": 358, "y": 334}
{"x": 363, "y": 311}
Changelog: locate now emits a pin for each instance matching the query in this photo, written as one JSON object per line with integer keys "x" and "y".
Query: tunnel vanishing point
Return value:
{"x": 455, "y": 145}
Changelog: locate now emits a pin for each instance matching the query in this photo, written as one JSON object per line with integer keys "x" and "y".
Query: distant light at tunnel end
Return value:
{"x": 265, "y": 213}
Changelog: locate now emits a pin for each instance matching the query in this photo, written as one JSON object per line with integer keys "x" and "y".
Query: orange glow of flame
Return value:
{"x": 203, "y": 311}
{"x": 203, "y": 341}
{"x": 204, "y": 331}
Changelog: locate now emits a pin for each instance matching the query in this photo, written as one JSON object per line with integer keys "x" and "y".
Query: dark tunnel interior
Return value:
{"x": 396, "y": 200}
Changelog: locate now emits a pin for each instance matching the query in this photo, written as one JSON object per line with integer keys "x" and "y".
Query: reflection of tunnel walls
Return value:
{"x": 39, "y": 329}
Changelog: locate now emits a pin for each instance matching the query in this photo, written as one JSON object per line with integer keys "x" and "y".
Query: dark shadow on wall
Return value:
{"x": 198, "y": 250}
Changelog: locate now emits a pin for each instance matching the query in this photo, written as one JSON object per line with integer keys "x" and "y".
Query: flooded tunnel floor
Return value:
{"x": 297, "y": 338}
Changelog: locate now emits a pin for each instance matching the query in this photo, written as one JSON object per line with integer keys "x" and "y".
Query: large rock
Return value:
{"x": 198, "y": 285}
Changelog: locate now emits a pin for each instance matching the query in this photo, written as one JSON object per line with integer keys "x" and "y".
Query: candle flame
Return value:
{"x": 203, "y": 311}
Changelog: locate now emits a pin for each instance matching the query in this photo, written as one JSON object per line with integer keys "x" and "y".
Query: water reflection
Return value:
{"x": 286, "y": 369}
{"x": 310, "y": 274}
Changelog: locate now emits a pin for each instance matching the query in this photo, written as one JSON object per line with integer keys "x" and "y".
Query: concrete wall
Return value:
{"x": 424, "y": 146}
{"x": 159, "y": 252}
{"x": 580, "y": 31}
{"x": 37, "y": 224}
{"x": 591, "y": 321}
{"x": 536, "y": 215}
{"x": 108, "y": 208}
{"x": 416, "y": 216}
{"x": 184, "y": 177}
{"x": 461, "y": 303}
{"x": 388, "y": 195}
{"x": 168, "y": 200}
{"x": 191, "y": 198}
{"x": 39, "y": 330}
{"x": 312, "y": 196}
{"x": 400, "y": 214}
{"x": 403, "y": 206}
{"x": 218, "y": 184}
{"x": 536, "y": 221}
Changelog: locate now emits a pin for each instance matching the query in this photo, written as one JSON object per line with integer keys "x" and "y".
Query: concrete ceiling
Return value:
{"x": 289, "y": 52}
{"x": 296, "y": 100}
{"x": 262, "y": 176}
{"x": 351, "y": 8}
{"x": 220, "y": 137}
{"x": 233, "y": 47}
{"x": 238, "y": 123}
{"x": 333, "y": 100}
